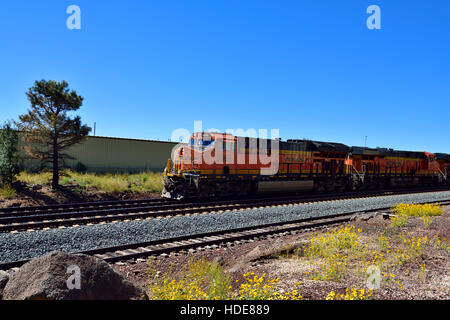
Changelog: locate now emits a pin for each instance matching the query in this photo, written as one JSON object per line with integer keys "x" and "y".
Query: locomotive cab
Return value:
{"x": 431, "y": 163}
{"x": 202, "y": 157}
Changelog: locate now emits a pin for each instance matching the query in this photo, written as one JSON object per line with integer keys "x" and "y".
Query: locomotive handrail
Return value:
{"x": 444, "y": 175}
{"x": 360, "y": 175}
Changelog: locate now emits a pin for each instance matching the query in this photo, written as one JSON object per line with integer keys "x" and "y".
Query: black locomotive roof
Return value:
{"x": 365, "y": 151}
{"x": 442, "y": 156}
{"x": 308, "y": 145}
{"x": 387, "y": 152}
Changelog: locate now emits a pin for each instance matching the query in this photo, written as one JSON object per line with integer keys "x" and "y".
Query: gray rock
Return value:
{"x": 219, "y": 260}
{"x": 54, "y": 277}
{"x": 4, "y": 278}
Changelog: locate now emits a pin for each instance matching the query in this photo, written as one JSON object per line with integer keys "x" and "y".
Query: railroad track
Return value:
{"x": 122, "y": 204}
{"x": 84, "y": 206}
{"x": 35, "y": 218}
{"x": 215, "y": 239}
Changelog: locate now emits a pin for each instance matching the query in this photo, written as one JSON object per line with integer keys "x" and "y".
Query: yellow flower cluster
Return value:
{"x": 400, "y": 257}
{"x": 423, "y": 273}
{"x": 259, "y": 288}
{"x": 178, "y": 290}
{"x": 202, "y": 281}
{"x": 332, "y": 254}
{"x": 331, "y": 249}
{"x": 391, "y": 277}
{"x": 416, "y": 245}
{"x": 207, "y": 281}
{"x": 425, "y": 211}
{"x": 442, "y": 243}
{"x": 383, "y": 242}
{"x": 337, "y": 239}
{"x": 351, "y": 294}
{"x": 427, "y": 220}
{"x": 418, "y": 210}
{"x": 399, "y": 221}
{"x": 377, "y": 258}
{"x": 333, "y": 267}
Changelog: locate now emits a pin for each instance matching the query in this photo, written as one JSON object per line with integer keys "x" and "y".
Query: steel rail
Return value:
{"x": 84, "y": 206}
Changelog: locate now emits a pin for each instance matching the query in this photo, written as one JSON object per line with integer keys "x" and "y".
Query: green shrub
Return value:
{"x": 9, "y": 158}
{"x": 80, "y": 167}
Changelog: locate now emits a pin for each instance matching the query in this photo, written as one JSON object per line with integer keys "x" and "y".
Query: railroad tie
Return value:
{"x": 132, "y": 251}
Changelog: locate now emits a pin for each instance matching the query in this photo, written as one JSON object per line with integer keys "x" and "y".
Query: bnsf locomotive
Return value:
{"x": 215, "y": 164}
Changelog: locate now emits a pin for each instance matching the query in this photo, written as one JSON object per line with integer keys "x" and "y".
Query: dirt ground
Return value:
{"x": 44, "y": 195}
{"x": 425, "y": 276}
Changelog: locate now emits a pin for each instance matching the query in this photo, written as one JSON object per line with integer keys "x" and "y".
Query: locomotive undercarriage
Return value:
{"x": 389, "y": 181}
{"x": 194, "y": 185}
{"x": 176, "y": 187}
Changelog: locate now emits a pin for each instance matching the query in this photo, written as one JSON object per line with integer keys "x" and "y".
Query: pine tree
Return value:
{"x": 48, "y": 130}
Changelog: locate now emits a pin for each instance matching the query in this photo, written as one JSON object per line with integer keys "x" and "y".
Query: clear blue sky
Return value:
{"x": 309, "y": 68}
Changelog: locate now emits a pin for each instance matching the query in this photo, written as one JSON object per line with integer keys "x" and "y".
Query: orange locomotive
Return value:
{"x": 216, "y": 164}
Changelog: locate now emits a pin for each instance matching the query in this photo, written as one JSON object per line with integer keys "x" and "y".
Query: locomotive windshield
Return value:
{"x": 202, "y": 144}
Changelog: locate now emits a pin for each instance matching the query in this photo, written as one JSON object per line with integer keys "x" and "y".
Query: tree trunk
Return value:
{"x": 55, "y": 180}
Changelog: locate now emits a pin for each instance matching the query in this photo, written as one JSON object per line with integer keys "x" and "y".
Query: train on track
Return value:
{"x": 218, "y": 165}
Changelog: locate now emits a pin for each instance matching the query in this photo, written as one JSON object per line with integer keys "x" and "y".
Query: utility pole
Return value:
{"x": 365, "y": 142}
{"x": 95, "y": 128}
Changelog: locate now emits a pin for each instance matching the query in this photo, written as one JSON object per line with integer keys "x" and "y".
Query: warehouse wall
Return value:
{"x": 103, "y": 154}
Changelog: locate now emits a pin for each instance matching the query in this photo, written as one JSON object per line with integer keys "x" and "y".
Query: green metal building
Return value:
{"x": 104, "y": 154}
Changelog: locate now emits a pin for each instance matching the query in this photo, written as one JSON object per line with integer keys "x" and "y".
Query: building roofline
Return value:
{"x": 129, "y": 139}
{"x": 126, "y": 139}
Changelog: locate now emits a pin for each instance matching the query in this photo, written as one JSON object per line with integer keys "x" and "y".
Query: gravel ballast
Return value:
{"x": 28, "y": 245}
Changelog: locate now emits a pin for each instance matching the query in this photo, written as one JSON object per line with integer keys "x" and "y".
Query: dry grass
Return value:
{"x": 7, "y": 192}
{"x": 109, "y": 182}
{"x": 42, "y": 178}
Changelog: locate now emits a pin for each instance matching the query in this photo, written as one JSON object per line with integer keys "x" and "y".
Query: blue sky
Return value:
{"x": 311, "y": 69}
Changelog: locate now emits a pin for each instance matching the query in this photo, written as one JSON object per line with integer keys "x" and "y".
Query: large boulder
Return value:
{"x": 62, "y": 276}
{"x": 4, "y": 278}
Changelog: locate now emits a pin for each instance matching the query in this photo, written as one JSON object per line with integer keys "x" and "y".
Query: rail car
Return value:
{"x": 216, "y": 164}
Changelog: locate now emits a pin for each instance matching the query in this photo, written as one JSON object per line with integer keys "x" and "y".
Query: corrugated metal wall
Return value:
{"x": 103, "y": 154}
